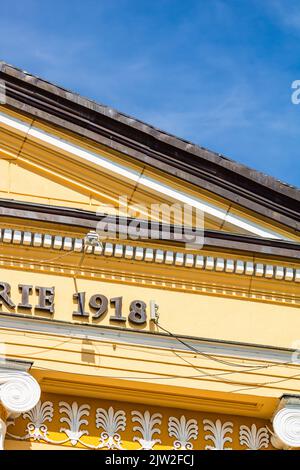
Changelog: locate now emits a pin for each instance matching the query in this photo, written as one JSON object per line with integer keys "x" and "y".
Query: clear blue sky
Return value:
{"x": 216, "y": 72}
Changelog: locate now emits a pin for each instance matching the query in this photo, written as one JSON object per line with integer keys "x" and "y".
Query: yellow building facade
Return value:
{"x": 137, "y": 337}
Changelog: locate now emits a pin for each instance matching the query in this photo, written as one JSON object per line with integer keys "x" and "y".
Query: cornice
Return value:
{"x": 151, "y": 254}
{"x": 86, "y": 220}
{"x": 255, "y": 406}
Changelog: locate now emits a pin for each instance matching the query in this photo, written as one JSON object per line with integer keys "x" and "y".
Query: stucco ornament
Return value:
{"x": 147, "y": 428}
{"x": 74, "y": 419}
{"x": 183, "y": 430}
{"x": 111, "y": 422}
{"x": 218, "y": 434}
{"x": 254, "y": 438}
{"x": 286, "y": 425}
{"x": 42, "y": 412}
{"x": 19, "y": 391}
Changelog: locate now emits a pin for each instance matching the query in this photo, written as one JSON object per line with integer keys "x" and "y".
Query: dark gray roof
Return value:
{"x": 175, "y": 156}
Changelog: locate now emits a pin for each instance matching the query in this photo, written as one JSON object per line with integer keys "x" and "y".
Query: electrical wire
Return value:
{"x": 206, "y": 355}
{"x": 189, "y": 346}
{"x": 56, "y": 258}
{"x": 267, "y": 383}
{"x": 249, "y": 368}
{"x": 256, "y": 385}
{"x": 84, "y": 252}
{"x": 194, "y": 376}
{"x": 203, "y": 375}
{"x": 80, "y": 261}
{"x": 136, "y": 378}
{"x": 221, "y": 373}
{"x": 47, "y": 350}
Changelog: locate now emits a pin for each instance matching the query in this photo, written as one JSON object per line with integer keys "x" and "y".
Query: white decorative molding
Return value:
{"x": 74, "y": 419}
{"x": 111, "y": 422}
{"x": 277, "y": 443}
{"x": 218, "y": 434}
{"x": 41, "y": 413}
{"x": 19, "y": 391}
{"x": 153, "y": 255}
{"x": 254, "y": 438}
{"x": 183, "y": 430}
{"x": 147, "y": 428}
{"x": 286, "y": 423}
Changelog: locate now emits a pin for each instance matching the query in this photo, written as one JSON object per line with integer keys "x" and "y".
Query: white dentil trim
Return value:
{"x": 152, "y": 255}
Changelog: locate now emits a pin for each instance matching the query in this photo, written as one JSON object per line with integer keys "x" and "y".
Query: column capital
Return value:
{"x": 19, "y": 392}
{"x": 286, "y": 423}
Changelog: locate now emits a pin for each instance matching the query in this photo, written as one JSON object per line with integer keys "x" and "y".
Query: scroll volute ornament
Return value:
{"x": 19, "y": 392}
{"x": 286, "y": 423}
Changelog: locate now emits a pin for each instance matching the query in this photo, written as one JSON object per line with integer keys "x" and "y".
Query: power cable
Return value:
{"x": 206, "y": 355}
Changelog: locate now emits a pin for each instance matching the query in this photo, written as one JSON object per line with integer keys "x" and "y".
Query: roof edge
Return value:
{"x": 197, "y": 165}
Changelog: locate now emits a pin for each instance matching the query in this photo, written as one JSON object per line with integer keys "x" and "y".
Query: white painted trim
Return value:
{"x": 152, "y": 255}
{"x": 133, "y": 175}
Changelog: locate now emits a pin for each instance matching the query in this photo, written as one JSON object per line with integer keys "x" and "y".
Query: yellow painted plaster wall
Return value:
{"x": 180, "y": 312}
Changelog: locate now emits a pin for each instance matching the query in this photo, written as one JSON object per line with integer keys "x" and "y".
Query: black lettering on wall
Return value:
{"x": 5, "y": 295}
{"x": 46, "y": 298}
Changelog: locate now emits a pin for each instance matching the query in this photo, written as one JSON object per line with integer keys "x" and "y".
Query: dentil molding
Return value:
{"x": 151, "y": 255}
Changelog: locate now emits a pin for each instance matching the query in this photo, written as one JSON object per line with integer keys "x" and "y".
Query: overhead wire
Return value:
{"x": 203, "y": 375}
{"x": 57, "y": 257}
{"x": 197, "y": 351}
{"x": 177, "y": 376}
{"x": 249, "y": 368}
{"x": 211, "y": 357}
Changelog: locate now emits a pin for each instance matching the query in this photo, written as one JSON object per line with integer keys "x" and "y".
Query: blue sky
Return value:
{"x": 216, "y": 72}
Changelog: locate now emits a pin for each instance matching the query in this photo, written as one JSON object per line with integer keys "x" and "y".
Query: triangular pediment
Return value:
{"x": 102, "y": 153}
{"x": 47, "y": 166}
